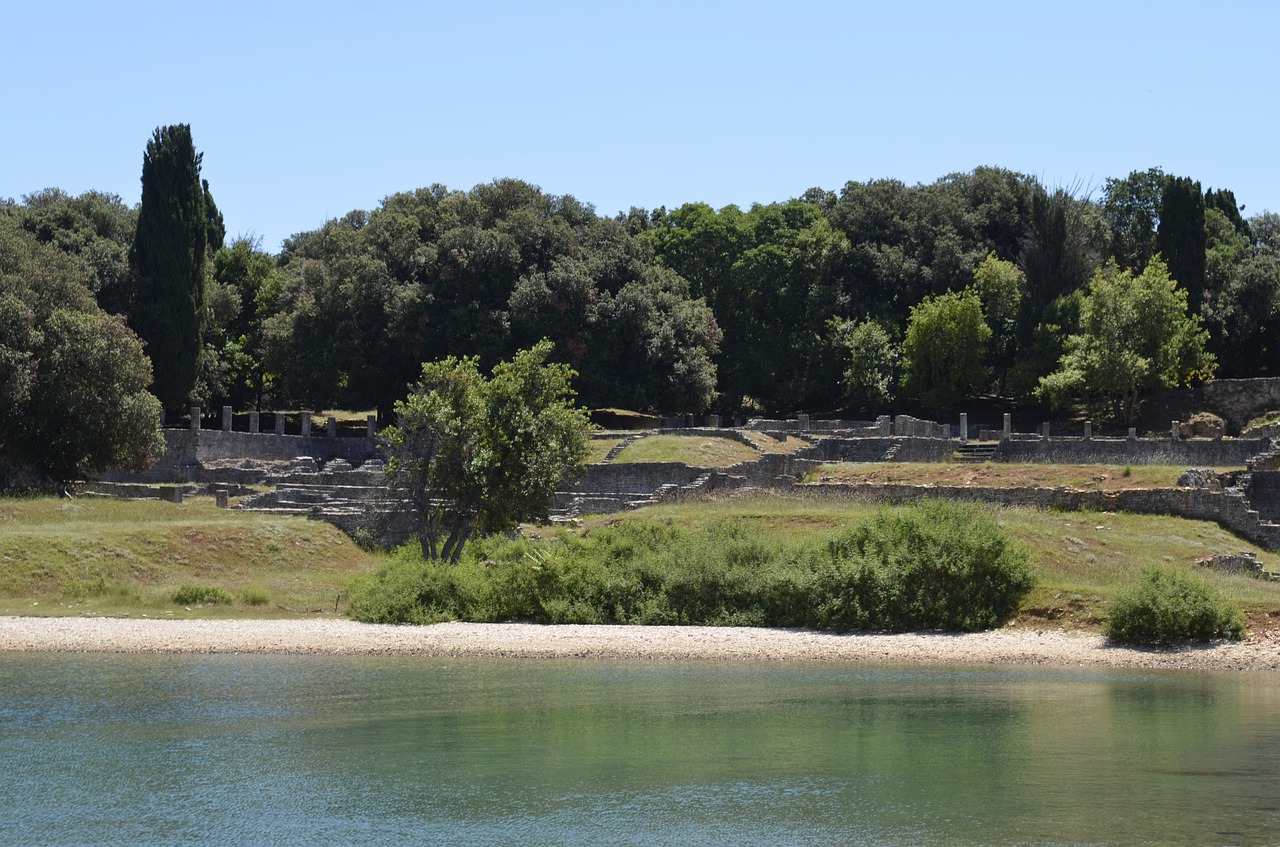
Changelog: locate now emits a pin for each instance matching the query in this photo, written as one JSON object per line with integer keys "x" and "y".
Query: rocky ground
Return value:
{"x": 1002, "y": 647}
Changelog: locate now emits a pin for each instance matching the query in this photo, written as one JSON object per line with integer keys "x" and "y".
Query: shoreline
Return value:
{"x": 340, "y": 637}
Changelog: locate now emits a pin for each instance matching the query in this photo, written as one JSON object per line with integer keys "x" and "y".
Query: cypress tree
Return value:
{"x": 1181, "y": 236}
{"x": 168, "y": 262}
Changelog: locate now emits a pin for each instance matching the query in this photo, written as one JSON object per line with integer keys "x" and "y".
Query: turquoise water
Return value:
{"x": 301, "y": 750}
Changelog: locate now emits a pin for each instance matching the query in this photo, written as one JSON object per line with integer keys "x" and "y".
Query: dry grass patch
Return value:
{"x": 102, "y": 556}
{"x": 697, "y": 450}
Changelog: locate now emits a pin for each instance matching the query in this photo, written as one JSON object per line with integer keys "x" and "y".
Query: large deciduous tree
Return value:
{"x": 166, "y": 305}
{"x": 73, "y": 379}
{"x": 945, "y": 350}
{"x": 478, "y": 455}
{"x": 1135, "y": 336}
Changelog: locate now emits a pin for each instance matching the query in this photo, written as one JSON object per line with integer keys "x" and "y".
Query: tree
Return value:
{"x": 871, "y": 363}
{"x": 1180, "y": 236}
{"x": 243, "y": 294}
{"x": 73, "y": 379}
{"x": 95, "y": 228}
{"x": 1131, "y": 207}
{"x": 479, "y": 455}
{"x": 944, "y": 350}
{"x": 999, "y": 283}
{"x": 1135, "y": 336}
{"x": 166, "y": 305}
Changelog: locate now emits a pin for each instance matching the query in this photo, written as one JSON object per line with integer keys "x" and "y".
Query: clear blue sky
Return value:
{"x": 306, "y": 110}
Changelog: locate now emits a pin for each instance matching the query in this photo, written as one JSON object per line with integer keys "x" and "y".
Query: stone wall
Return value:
{"x": 634, "y": 477}
{"x": 187, "y": 449}
{"x": 1135, "y": 451}
{"x": 1239, "y": 400}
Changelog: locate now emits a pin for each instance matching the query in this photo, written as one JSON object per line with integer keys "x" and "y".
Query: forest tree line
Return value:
{"x": 874, "y": 297}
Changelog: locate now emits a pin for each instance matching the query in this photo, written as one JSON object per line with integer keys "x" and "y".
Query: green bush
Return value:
{"x": 936, "y": 566}
{"x": 407, "y": 590}
{"x": 1166, "y": 606}
{"x": 939, "y": 565}
{"x": 206, "y": 595}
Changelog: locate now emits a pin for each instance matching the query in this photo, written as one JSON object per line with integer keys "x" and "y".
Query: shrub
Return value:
{"x": 939, "y": 565}
{"x": 252, "y": 595}
{"x": 207, "y": 595}
{"x": 407, "y": 590}
{"x": 1166, "y": 606}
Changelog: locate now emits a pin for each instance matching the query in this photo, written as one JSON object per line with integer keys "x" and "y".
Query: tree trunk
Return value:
{"x": 452, "y": 550}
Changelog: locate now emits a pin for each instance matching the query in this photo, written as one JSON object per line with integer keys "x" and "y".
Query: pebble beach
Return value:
{"x": 658, "y": 643}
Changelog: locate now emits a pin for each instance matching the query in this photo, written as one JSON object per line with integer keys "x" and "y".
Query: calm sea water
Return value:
{"x": 305, "y": 750}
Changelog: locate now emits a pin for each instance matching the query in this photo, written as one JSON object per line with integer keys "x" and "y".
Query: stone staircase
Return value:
{"x": 623, "y": 445}
{"x": 976, "y": 452}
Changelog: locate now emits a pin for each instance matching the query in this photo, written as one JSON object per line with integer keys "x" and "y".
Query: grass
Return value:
{"x": 698, "y": 450}
{"x": 112, "y": 557}
{"x": 103, "y": 556}
{"x": 598, "y": 449}
{"x": 769, "y": 444}
{"x": 1005, "y": 475}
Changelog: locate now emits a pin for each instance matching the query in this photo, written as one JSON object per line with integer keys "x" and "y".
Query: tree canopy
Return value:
{"x": 678, "y": 311}
{"x": 73, "y": 379}
{"x": 1135, "y": 336}
{"x": 944, "y": 350}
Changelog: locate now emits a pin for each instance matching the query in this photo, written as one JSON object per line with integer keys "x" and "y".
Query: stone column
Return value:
{"x": 222, "y": 498}
{"x": 279, "y": 423}
{"x": 371, "y": 426}
{"x": 1133, "y": 433}
{"x": 1007, "y": 432}
{"x": 227, "y": 417}
{"x": 162, "y": 418}
{"x": 804, "y": 422}
{"x": 1173, "y": 430}
{"x": 306, "y": 424}
{"x": 255, "y": 423}
{"x": 1088, "y": 430}
{"x": 886, "y": 425}
{"x": 713, "y": 421}
{"x": 1044, "y": 431}
{"x": 195, "y": 417}
{"x": 964, "y": 427}
{"x": 331, "y": 427}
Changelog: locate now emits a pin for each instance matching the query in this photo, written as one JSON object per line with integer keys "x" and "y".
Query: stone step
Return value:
{"x": 974, "y": 453}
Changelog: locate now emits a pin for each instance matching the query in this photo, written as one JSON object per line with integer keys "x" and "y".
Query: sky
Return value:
{"x": 307, "y": 110}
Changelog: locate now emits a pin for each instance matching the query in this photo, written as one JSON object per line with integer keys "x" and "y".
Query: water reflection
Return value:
{"x": 288, "y": 750}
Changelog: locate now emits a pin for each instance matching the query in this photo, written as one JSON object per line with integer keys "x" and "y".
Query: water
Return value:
{"x": 300, "y": 750}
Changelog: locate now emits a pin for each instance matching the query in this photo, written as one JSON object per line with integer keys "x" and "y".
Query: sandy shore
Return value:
{"x": 337, "y": 637}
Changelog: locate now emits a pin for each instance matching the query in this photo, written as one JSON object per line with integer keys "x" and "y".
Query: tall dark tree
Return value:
{"x": 1181, "y": 236}
{"x": 168, "y": 262}
{"x": 215, "y": 228}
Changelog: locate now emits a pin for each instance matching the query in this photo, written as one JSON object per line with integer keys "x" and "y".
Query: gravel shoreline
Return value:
{"x": 535, "y": 641}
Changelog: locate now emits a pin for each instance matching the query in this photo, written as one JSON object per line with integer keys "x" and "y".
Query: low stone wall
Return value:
{"x": 1228, "y": 508}
{"x": 634, "y": 477}
{"x": 1224, "y": 452}
{"x": 882, "y": 449}
{"x": 187, "y": 449}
